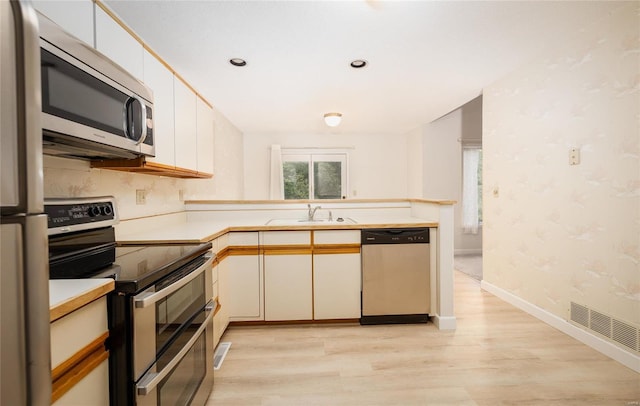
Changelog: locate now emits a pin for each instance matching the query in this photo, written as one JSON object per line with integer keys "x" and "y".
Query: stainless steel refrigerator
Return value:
{"x": 25, "y": 366}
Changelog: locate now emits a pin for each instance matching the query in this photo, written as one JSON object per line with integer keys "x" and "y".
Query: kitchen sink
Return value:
{"x": 297, "y": 222}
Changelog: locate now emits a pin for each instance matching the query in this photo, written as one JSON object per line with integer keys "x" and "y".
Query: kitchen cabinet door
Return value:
{"x": 75, "y": 17}
{"x": 244, "y": 288}
{"x": 93, "y": 389}
{"x": 287, "y": 273}
{"x": 78, "y": 339}
{"x": 204, "y": 130}
{"x": 160, "y": 80}
{"x": 336, "y": 274}
{"x": 287, "y": 287}
{"x": 186, "y": 147}
{"x": 221, "y": 318}
{"x": 336, "y": 286}
{"x": 116, "y": 43}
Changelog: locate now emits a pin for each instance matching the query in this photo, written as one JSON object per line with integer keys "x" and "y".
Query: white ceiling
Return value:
{"x": 426, "y": 58}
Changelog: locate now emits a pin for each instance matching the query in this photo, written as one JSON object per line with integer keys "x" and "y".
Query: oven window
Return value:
{"x": 179, "y": 387}
{"x": 175, "y": 310}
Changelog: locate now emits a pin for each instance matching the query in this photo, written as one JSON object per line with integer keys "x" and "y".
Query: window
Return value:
{"x": 471, "y": 189}
{"x": 314, "y": 176}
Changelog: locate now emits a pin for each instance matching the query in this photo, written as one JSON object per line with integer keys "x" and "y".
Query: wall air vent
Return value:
{"x": 580, "y": 314}
{"x": 600, "y": 323}
{"x": 625, "y": 334}
{"x": 614, "y": 330}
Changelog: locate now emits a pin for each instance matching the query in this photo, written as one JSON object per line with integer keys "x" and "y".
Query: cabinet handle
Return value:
{"x": 147, "y": 299}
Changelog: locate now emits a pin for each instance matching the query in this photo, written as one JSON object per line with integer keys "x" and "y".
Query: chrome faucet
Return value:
{"x": 312, "y": 212}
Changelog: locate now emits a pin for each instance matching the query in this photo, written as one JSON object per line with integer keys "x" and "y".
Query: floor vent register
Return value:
{"x": 221, "y": 353}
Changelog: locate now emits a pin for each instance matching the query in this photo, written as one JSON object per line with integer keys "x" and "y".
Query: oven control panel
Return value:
{"x": 68, "y": 215}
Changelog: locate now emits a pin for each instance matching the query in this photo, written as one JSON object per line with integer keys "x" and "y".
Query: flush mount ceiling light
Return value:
{"x": 237, "y": 62}
{"x": 332, "y": 119}
{"x": 358, "y": 63}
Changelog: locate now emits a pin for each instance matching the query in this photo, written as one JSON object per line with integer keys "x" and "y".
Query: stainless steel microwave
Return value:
{"x": 91, "y": 107}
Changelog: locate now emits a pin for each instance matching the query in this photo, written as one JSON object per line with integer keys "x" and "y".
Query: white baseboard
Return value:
{"x": 467, "y": 251}
{"x": 605, "y": 347}
{"x": 444, "y": 322}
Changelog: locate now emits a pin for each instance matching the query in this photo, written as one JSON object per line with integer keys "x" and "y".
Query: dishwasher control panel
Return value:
{"x": 419, "y": 235}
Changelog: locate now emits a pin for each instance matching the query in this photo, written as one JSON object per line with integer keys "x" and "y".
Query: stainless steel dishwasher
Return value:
{"x": 395, "y": 276}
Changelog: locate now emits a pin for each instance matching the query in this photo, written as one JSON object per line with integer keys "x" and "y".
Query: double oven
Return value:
{"x": 161, "y": 313}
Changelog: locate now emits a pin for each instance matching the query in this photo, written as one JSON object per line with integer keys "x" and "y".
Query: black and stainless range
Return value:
{"x": 161, "y": 313}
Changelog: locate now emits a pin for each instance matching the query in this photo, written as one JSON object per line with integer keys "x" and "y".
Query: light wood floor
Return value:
{"x": 499, "y": 355}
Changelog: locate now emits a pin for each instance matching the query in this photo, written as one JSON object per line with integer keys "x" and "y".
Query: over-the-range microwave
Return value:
{"x": 91, "y": 107}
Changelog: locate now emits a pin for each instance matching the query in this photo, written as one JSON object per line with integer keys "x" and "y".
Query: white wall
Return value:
{"x": 75, "y": 178}
{"x": 228, "y": 171}
{"x": 415, "y": 160}
{"x": 442, "y": 165}
{"x": 559, "y": 233}
{"x": 377, "y": 163}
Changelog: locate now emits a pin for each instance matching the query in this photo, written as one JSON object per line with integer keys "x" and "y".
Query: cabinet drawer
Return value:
{"x": 336, "y": 237}
{"x": 77, "y": 330}
{"x": 286, "y": 238}
{"x": 239, "y": 238}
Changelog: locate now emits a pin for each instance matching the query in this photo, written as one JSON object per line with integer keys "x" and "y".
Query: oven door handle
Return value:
{"x": 151, "y": 379}
{"x": 147, "y": 299}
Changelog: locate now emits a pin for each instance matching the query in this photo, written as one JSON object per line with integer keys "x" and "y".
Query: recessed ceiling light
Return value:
{"x": 237, "y": 62}
{"x": 359, "y": 63}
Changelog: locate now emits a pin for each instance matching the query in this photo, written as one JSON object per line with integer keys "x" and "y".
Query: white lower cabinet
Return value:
{"x": 245, "y": 287}
{"x": 221, "y": 318}
{"x": 92, "y": 390}
{"x": 288, "y": 287}
{"x": 337, "y": 277}
{"x": 242, "y": 276}
{"x": 286, "y": 277}
{"x": 336, "y": 286}
{"x": 79, "y": 361}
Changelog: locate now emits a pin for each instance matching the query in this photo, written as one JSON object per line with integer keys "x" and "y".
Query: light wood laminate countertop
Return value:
{"x": 196, "y": 232}
{"x": 68, "y": 295}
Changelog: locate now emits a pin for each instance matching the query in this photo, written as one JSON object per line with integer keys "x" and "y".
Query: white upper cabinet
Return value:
{"x": 160, "y": 80}
{"x": 116, "y": 43}
{"x": 205, "y": 128}
{"x": 75, "y": 17}
{"x": 186, "y": 146}
{"x": 183, "y": 122}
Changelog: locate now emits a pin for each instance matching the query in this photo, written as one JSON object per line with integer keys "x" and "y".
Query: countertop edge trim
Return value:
{"x": 69, "y": 306}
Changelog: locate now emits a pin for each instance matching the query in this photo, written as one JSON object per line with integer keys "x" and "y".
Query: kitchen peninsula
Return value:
{"x": 241, "y": 231}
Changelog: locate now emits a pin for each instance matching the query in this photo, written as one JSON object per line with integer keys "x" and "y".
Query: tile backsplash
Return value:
{"x": 74, "y": 178}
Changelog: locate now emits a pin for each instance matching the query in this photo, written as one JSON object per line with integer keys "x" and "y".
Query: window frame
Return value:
{"x": 319, "y": 155}
{"x": 479, "y": 183}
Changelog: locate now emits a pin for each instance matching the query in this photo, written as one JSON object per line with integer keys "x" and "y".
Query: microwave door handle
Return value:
{"x": 151, "y": 379}
{"x": 128, "y": 118}
{"x": 149, "y": 298}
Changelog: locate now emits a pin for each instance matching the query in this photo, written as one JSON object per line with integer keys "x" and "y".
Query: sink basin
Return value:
{"x": 297, "y": 222}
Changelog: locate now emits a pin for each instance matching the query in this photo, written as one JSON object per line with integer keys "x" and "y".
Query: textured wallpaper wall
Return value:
{"x": 557, "y": 233}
